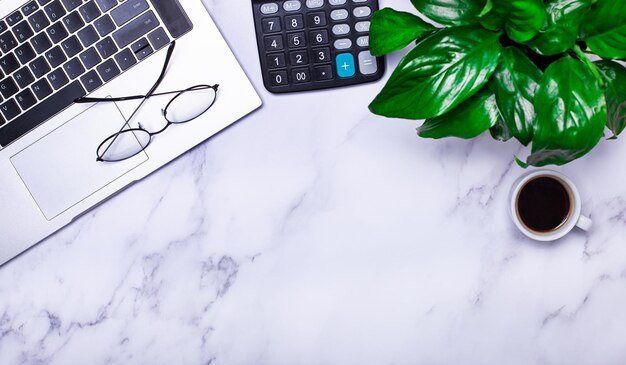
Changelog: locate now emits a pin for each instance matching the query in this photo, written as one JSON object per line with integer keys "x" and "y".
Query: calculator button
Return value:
{"x": 323, "y": 73}
{"x": 314, "y": 4}
{"x": 292, "y": 5}
{"x": 367, "y": 63}
{"x": 300, "y": 75}
{"x": 278, "y": 78}
{"x": 339, "y": 14}
{"x": 362, "y": 27}
{"x": 345, "y": 65}
{"x": 363, "y": 41}
{"x": 343, "y": 43}
{"x": 276, "y": 60}
{"x": 362, "y": 12}
{"x": 321, "y": 55}
{"x": 296, "y": 40}
{"x": 316, "y": 19}
{"x": 341, "y": 29}
{"x": 269, "y": 8}
{"x": 299, "y": 58}
{"x": 336, "y": 2}
{"x": 274, "y": 43}
{"x": 294, "y": 22}
{"x": 319, "y": 37}
{"x": 271, "y": 25}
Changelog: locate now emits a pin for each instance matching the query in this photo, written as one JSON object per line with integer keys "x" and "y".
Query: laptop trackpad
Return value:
{"x": 60, "y": 170}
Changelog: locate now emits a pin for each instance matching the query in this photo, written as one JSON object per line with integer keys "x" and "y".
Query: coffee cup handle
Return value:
{"x": 584, "y": 223}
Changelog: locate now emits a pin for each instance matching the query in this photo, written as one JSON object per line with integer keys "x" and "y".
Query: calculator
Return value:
{"x": 315, "y": 44}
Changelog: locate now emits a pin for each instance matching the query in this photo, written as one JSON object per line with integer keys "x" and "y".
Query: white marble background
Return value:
{"x": 313, "y": 232}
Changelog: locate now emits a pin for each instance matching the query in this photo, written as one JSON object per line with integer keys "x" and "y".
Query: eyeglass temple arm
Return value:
{"x": 170, "y": 51}
{"x": 85, "y": 100}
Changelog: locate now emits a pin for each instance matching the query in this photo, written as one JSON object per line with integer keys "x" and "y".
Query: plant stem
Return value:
{"x": 594, "y": 70}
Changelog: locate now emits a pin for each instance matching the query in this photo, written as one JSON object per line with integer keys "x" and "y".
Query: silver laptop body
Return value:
{"x": 49, "y": 175}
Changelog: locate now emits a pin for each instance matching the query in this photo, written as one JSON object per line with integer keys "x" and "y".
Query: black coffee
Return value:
{"x": 543, "y": 204}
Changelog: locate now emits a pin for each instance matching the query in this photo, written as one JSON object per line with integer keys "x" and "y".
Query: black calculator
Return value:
{"x": 315, "y": 44}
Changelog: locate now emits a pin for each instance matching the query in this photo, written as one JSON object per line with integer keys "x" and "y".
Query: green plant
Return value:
{"x": 518, "y": 68}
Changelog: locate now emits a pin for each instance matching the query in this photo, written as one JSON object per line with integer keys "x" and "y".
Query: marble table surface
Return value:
{"x": 313, "y": 232}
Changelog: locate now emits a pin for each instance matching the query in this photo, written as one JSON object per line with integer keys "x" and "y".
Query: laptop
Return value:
{"x": 53, "y": 52}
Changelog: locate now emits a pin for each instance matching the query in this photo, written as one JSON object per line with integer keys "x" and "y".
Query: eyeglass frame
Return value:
{"x": 144, "y": 98}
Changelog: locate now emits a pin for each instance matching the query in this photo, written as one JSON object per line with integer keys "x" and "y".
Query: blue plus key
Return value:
{"x": 345, "y": 65}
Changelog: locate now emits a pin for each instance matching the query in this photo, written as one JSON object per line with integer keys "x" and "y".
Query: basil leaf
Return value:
{"x": 524, "y": 19}
{"x": 571, "y": 114}
{"x": 563, "y": 23}
{"x": 467, "y": 120}
{"x": 393, "y": 30}
{"x": 615, "y": 93}
{"x": 451, "y": 12}
{"x": 441, "y": 72}
{"x": 515, "y": 83}
{"x": 605, "y": 28}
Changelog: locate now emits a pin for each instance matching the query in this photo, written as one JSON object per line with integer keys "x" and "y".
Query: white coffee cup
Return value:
{"x": 574, "y": 219}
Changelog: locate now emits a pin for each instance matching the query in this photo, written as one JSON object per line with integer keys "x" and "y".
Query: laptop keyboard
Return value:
{"x": 55, "y": 51}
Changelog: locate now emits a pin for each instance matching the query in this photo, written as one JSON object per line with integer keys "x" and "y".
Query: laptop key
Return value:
{"x": 29, "y": 8}
{"x": 10, "y": 109}
{"x": 71, "y": 46}
{"x": 125, "y": 59}
{"x": 74, "y": 68}
{"x": 108, "y": 70}
{"x": 91, "y": 80}
{"x": 104, "y": 25}
{"x": 1, "y": 120}
{"x": 9, "y": 63}
{"x": 25, "y": 53}
{"x": 106, "y": 5}
{"x": 23, "y": 77}
{"x": 39, "y": 67}
{"x": 7, "y": 41}
{"x": 106, "y": 47}
{"x": 42, "y": 89}
{"x": 58, "y": 78}
{"x": 158, "y": 38}
{"x": 145, "y": 52}
{"x": 135, "y": 29}
{"x": 54, "y": 10}
{"x": 90, "y": 58}
{"x": 14, "y": 18}
{"x": 22, "y": 31}
{"x": 57, "y": 32}
{"x": 55, "y": 56}
{"x": 8, "y": 87}
{"x": 89, "y": 11}
{"x": 139, "y": 45}
{"x": 71, "y": 4}
{"x": 3, "y": 26}
{"x": 41, "y": 112}
{"x": 26, "y": 99}
{"x": 88, "y": 36}
{"x": 38, "y": 21}
{"x": 128, "y": 10}
{"x": 41, "y": 43}
{"x": 73, "y": 22}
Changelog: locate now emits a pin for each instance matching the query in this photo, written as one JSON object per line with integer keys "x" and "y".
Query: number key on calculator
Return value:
{"x": 315, "y": 44}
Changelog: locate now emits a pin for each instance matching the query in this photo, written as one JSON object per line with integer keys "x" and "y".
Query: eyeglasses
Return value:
{"x": 185, "y": 106}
